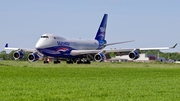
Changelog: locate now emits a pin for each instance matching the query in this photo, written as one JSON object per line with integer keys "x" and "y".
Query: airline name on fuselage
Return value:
{"x": 62, "y": 43}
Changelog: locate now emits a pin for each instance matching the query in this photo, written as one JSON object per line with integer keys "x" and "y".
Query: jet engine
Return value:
{"x": 99, "y": 57}
{"x": 32, "y": 57}
{"x": 134, "y": 55}
{"x": 18, "y": 55}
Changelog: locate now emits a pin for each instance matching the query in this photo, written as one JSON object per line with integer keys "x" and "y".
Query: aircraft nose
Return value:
{"x": 38, "y": 45}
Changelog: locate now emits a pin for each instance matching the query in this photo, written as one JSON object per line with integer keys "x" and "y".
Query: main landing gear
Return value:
{"x": 78, "y": 61}
{"x": 83, "y": 61}
{"x": 69, "y": 61}
{"x": 56, "y": 61}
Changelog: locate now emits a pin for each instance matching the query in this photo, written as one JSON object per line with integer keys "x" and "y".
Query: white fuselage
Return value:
{"x": 56, "y": 46}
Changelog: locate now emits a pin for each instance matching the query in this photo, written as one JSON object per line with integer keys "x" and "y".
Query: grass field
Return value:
{"x": 27, "y": 81}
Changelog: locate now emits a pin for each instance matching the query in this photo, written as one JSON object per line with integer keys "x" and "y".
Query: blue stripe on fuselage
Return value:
{"x": 57, "y": 51}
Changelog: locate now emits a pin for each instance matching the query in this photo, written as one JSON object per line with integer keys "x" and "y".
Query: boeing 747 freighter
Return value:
{"x": 74, "y": 50}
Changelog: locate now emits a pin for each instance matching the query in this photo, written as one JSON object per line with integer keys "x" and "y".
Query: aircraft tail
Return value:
{"x": 100, "y": 36}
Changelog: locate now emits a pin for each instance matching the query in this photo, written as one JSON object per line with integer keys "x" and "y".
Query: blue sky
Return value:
{"x": 151, "y": 23}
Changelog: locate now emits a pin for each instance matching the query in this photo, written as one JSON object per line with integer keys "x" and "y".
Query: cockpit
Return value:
{"x": 44, "y": 37}
{"x": 51, "y": 36}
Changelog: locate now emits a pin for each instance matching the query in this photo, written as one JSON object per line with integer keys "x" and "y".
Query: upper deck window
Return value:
{"x": 44, "y": 37}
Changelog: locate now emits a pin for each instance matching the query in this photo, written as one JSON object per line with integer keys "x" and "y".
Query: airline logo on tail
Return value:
{"x": 102, "y": 30}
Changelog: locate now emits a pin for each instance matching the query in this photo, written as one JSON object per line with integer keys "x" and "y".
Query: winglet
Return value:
{"x": 174, "y": 45}
{"x": 6, "y": 45}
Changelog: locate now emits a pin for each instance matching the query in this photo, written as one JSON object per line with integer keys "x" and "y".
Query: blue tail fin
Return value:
{"x": 100, "y": 36}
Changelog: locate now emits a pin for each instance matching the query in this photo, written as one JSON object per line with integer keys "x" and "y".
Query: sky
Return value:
{"x": 151, "y": 23}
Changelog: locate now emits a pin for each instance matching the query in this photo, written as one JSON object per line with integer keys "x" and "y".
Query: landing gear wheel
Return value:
{"x": 80, "y": 62}
{"x": 46, "y": 62}
{"x": 57, "y": 62}
{"x": 87, "y": 62}
{"x": 69, "y": 62}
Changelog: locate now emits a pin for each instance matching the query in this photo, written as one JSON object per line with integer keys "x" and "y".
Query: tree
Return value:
{"x": 10, "y": 55}
{"x": 3, "y": 54}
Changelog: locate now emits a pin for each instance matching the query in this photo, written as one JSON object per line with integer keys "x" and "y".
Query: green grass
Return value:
{"x": 27, "y": 81}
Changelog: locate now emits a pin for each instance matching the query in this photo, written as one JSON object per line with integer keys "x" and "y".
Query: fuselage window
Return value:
{"x": 44, "y": 36}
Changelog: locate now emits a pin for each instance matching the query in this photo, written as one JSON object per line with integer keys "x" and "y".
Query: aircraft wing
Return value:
{"x": 159, "y": 48}
{"x": 122, "y": 51}
{"x": 20, "y": 49}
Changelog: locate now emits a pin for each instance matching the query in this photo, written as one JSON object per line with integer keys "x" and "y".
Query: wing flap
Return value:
{"x": 82, "y": 52}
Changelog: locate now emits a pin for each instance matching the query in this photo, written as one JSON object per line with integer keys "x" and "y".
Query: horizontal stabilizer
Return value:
{"x": 9, "y": 48}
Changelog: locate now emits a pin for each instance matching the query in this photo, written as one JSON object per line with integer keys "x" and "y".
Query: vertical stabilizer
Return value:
{"x": 100, "y": 36}
{"x": 6, "y": 46}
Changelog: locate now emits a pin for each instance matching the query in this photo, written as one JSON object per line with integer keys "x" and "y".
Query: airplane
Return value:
{"x": 76, "y": 50}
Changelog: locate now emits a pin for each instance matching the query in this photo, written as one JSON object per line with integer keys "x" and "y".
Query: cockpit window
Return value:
{"x": 44, "y": 36}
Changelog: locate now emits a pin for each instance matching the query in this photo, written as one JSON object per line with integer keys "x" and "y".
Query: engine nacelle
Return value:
{"x": 99, "y": 57}
{"x": 32, "y": 57}
{"x": 134, "y": 55}
{"x": 18, "y": 55}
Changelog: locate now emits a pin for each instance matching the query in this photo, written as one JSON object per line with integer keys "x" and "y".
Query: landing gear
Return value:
{"x": 46, "y": 60}
{"x": 69, "y": 61}
{"x": 80, "y": 61}
{"x": 83, "y": 61}
{"x": 87, "y": 59}
{"x": 87, "y": 62}
{"x": 56, "y": 61}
